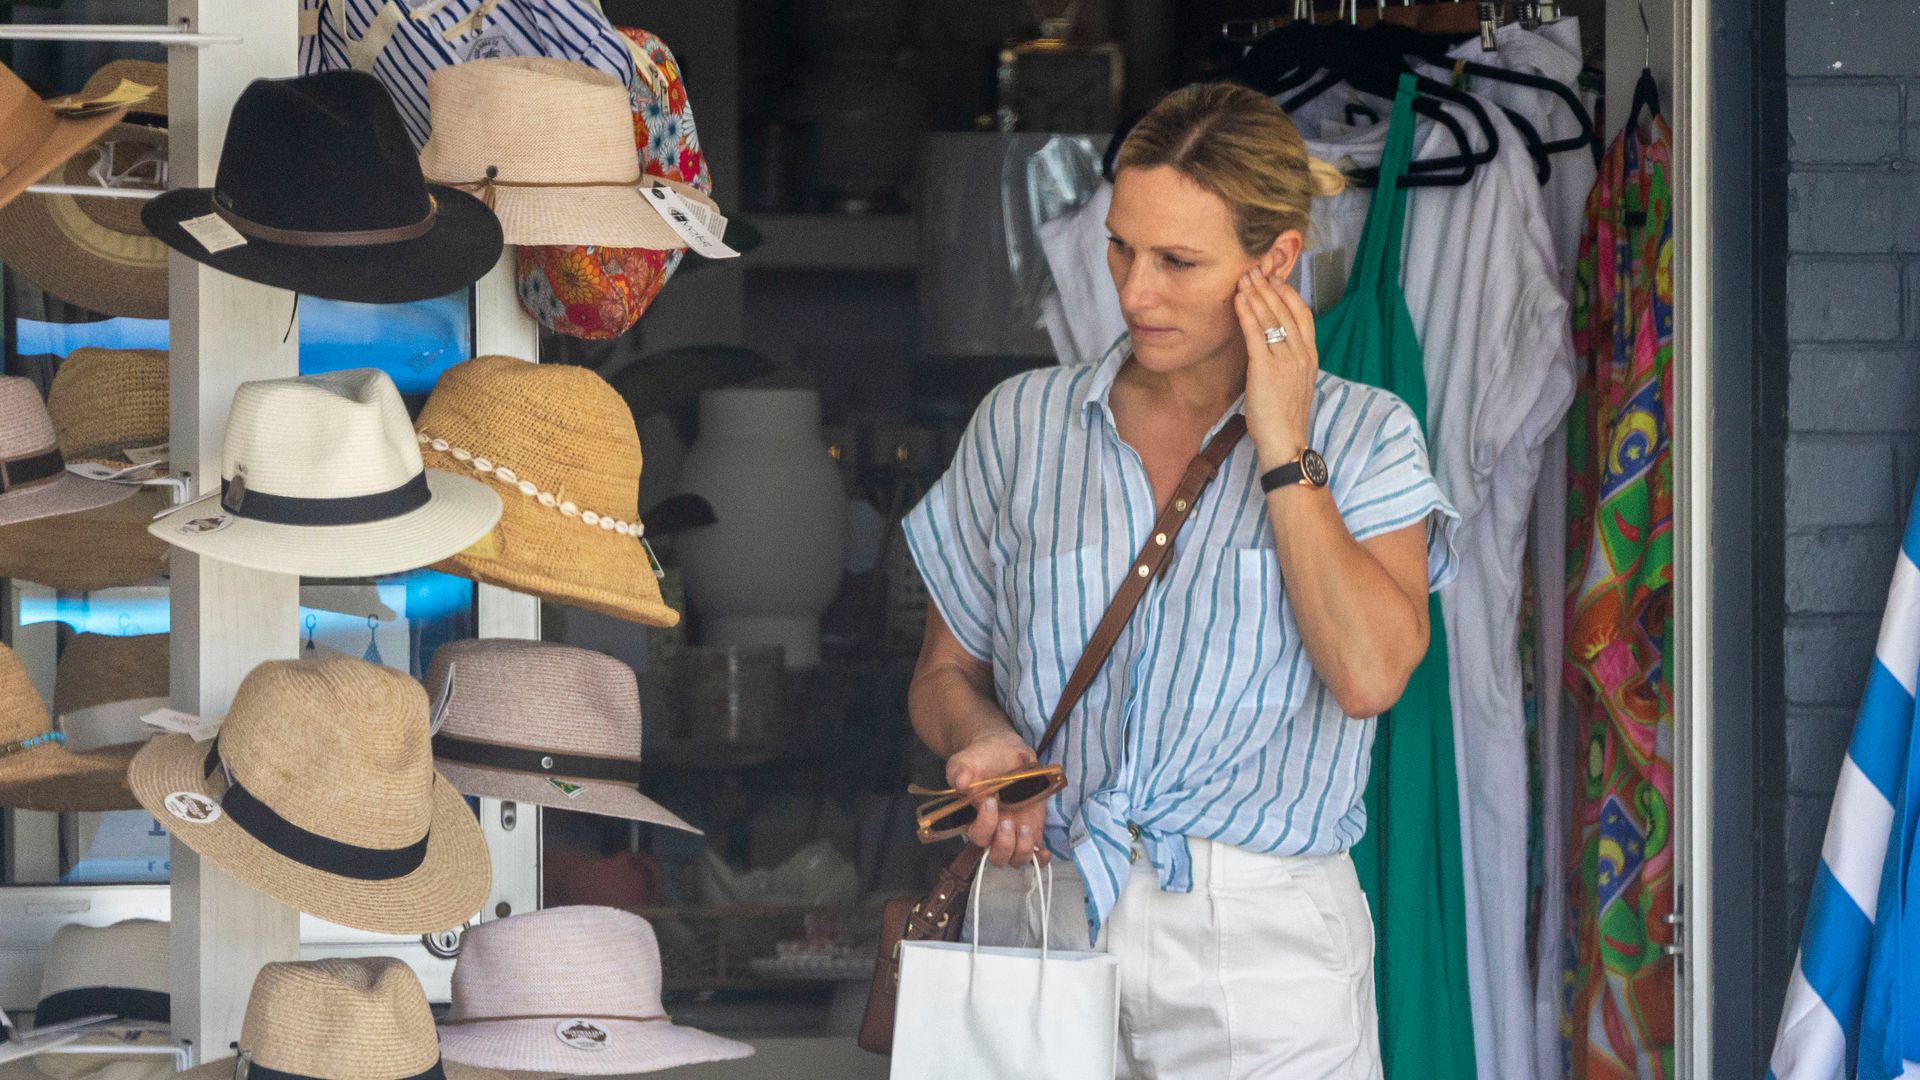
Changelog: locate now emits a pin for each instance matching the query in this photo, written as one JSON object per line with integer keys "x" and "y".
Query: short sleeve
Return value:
{"x": 1396, "y": 489}
{"x": 951, "y": 532}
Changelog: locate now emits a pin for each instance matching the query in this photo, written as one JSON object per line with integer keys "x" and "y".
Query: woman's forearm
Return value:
{"x": 1363, "y": 628}
{"x": 950, "y": 700}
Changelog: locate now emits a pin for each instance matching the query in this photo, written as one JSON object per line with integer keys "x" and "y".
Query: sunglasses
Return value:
{"x": 951, "y": 811}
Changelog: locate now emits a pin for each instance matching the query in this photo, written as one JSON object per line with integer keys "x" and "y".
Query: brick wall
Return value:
{"x": 1853, "y": 403}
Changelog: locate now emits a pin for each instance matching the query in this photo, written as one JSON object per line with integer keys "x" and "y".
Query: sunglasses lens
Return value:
{"x": 1024, "y": 790}
{"x": 962, "y": 818}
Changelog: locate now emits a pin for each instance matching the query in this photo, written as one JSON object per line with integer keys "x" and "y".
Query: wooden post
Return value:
{"x": 226, "y": 619}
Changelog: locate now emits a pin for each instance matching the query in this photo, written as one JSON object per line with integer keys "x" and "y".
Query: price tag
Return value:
{"x": 700, "y": 227}
{"x": 212, "y": 232}
{"x": 198, "y": 728}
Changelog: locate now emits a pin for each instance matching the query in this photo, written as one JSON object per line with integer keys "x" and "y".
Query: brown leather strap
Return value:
{"x": 486, "y": 185}
{"x": 1149, "y": 564}
{"x": 344, "y": 238}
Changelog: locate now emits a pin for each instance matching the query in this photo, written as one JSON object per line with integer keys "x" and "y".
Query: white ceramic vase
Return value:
{"x": 767, "y": 568}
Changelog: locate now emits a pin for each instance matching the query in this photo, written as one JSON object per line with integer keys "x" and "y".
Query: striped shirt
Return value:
{"x": 1208, "y": 719}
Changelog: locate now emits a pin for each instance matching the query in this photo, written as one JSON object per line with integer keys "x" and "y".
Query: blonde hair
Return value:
{"x": 1236, "y": 142}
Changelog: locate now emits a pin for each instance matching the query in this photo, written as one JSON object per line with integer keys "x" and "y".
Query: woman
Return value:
{"x": 1216, "y": 766}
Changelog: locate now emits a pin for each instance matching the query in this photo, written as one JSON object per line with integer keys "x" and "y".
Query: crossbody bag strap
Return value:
{"x": 1149, "y": 564}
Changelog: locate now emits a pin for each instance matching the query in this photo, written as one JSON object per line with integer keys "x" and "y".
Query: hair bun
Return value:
{"x": 1325, "y": 178}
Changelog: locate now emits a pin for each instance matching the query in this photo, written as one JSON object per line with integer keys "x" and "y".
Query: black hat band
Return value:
{"x": 240, "y": 501}
{"x": 244, "y": 1069}
{"x": 35, "y": 468}
{"x": 324, "y": 853}
{"x": 545, "y": 762}
{"x": 121, "y": 1001}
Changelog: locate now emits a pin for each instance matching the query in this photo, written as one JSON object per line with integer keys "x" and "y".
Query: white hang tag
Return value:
{"x": 199, "y": 728}
{"x": 213, "y": 233}
{"x": 131, "y": 474}
{"x": 700, "y": 227}
{"x": 146, "y": 455}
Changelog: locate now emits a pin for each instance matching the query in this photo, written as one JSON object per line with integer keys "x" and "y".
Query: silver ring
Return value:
{"x": 1276, "y": 335}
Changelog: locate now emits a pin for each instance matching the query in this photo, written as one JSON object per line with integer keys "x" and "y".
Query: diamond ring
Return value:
{"x": 1276, "y": 335}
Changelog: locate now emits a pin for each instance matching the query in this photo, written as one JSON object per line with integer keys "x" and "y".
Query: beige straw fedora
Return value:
{"x": 542, "y": 723}
{"x": 561, "y": 447}
{"x": 548, "y": 144}
{"x": 35, "y": 140}
{"x": 120, "y": 971}
{"x": 571, "y": 991}
{"x": 320, "y": 791}
{"x": 93, "y": 251}
{"x": 38, "y": 771}
{"x": 103, "y": 403}
{"x": 321, "y": 476}
{"x": 34, "y": 480}
{"x": 364, "y": 1019}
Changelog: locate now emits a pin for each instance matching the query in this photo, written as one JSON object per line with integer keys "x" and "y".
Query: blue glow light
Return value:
{"x": 419, "y": 596}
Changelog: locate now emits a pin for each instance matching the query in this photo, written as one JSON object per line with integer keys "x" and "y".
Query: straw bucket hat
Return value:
{"x": 93, "y": 251}
{"x": 548, "y": 144}
{"x": 35, "y": 140}
{"x": 537, "y": 722}
{"x": 321, "y": 476}
{"x": 320, "y": 791}
{"x": 120, "y": 971}
{"x": 363, "y": 1018}
{"x": 103, "y": 402}
{"x": 34, "y": 481}
{"x": 561, "y": 446}
{"x": 569, "y": 991}
{"x": 38, "y": 771}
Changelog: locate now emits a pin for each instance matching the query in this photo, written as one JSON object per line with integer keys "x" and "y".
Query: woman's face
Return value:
{"x": 1176, "y": 262}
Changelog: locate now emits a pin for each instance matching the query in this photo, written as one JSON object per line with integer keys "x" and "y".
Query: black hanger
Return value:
{"x": 1646, "y": 95}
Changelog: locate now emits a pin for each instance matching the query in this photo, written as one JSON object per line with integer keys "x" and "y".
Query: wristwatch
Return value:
{"x": 1309, "y": 470}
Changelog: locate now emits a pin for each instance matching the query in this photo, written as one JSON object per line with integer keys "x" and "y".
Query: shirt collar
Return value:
{"x": 1095, "y": 400}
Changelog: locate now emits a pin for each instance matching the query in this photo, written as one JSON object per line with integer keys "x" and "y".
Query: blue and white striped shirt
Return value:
{"x": 1208, "y": 720}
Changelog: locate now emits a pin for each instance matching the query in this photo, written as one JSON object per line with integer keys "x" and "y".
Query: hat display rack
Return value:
{"x": 234, "y": 629}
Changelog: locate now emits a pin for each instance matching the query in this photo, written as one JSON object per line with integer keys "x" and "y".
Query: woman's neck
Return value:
{"x": 1203, "y": 390}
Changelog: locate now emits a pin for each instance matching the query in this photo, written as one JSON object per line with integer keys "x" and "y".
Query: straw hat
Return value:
{"x": 568, "y": 990}
{"x": 548, "y": 144}
{"x": 37, "y": 770}
{"x": 94, "y": 252}
{"x": 34, "y": 140}
{"x": 319, "y": 185}
{"x": 105, "y": 683}
{"x": 561, "y": 447}
{"x": 320, "y": 792}
{"x": 98, "y": 549}
{"x": 105, "y": 402}
{"x": 364, "y": 1018}
{"x": 321, "y": 476}
{"x": 119, "y": 970}
{"x": 536, "y": 722}
{"x": 34, "y": 481}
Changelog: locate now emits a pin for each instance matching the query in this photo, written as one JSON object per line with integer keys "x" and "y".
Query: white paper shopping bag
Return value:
{"x": 973, "y": 1012}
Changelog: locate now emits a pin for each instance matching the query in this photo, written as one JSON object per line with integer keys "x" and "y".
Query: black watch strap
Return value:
{"x": 1283, "y": 476}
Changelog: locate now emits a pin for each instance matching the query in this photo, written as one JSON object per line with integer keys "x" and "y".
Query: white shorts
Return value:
{"x": 1264, "y": 970}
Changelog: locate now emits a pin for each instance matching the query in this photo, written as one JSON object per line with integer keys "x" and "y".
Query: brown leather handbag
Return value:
{"x": 936, "y": 916}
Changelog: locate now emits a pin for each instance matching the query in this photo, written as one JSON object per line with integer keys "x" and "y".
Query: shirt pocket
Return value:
{"x": 1053, "y": 601}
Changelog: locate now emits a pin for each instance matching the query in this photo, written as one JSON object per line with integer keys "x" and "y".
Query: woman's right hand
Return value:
{"x": 1013, "y": 836}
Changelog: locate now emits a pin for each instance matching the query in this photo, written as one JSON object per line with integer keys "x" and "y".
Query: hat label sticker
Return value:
{"x": 204, "y": 524}
{"x": 700, "y": 227}
{"x": 212, "y": 232}
{"x": 192, "y": 807}
{"x": 584, "y": 1035}
{"x": 564, "y": 788}
{"x": 199, "y": 728}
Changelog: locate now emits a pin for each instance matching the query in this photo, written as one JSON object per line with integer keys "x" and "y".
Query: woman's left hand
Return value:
{"x": 1280, "y": 376}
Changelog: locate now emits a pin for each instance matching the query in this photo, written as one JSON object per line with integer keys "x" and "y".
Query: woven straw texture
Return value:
{"x": 128, "y": 955}
{"x": 362, "y": 1018}
{"x": 96, "y": 549}
{"x": 27, "y": 429}
{"x": 33, "y": 141}
{"x": 541, "y": 696}
{"x": 336, "y": 435}
{"x": 593, "y": 963}
{"x": 105, "y": 684}
{"x": 94, "y": 252}
{"x": 567, "y": 432}
{"x": 536, "y": 120}
{"x": 107, "y": 401}
{"x": 50, "y": 776}
{"x": 339, "y": 747}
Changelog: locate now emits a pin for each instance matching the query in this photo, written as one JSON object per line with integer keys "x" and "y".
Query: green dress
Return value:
{"x": 1409, "y": 859}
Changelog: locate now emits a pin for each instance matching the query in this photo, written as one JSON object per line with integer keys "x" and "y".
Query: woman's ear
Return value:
{"x": 1278, "y": 262}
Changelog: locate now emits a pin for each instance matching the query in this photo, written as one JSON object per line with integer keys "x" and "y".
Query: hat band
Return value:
{"x": 484, "y": 187}
{"x": 32, "y": 741}
{"x": 656, "y": 1018}
{"x": 330, "y": 238}
{"x": 310, "y": 849}
{"x": 241, "y": 501}
{"x": 245, "y": 1069}
{"x": 121, "y": 1001}
{"x": 25, "y": 472}
{"x": 520, "y": 759}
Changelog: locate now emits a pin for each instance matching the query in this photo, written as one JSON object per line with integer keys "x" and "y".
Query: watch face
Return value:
{"x": 1314, "y": 468}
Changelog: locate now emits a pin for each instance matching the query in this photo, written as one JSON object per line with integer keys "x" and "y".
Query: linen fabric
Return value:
{"x": 1264, "y": 969}
{"x": 1234, "y": 738}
